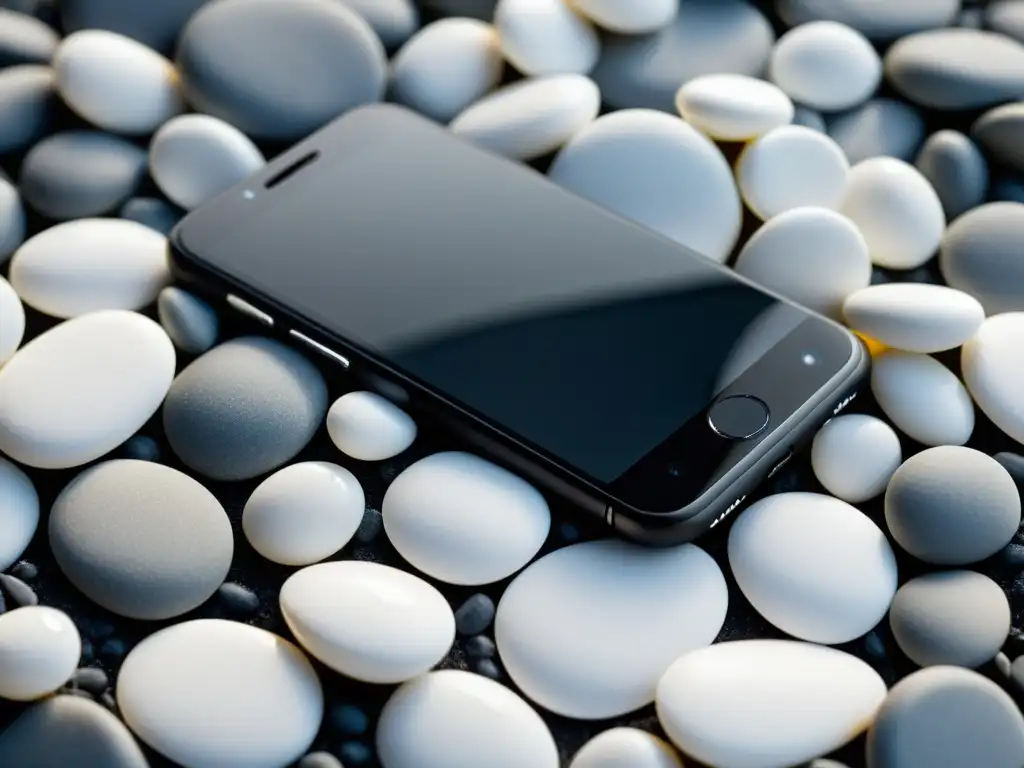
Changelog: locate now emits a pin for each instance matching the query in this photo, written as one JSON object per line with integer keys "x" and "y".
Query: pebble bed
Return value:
{"x": 215, "y": 554}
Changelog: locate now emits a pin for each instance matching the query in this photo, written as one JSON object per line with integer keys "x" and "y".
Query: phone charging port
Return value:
{"x": 781, "y": 462}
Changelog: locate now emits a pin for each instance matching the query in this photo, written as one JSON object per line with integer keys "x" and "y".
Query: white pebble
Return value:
{"x": 993, "y": 367}
{"x": 923, "y": 398}
{"x": 855, "y": 456}
{"x": 12, "y": 321}
{"x": 446, "y": 66}
{"x": 455, "y": 719}
{"x": 303, "y": 513}
{"x": 463, "y": 520}
{"x": 19, "y": 514}
{"x": 12, "y": 218}
{"x": 369, "y": 427}
{"x": 733, "y": 107}
{"x": 115, "y": 82}
{"x": 531, "y": 117}
{"x": 87, "y": 265}
{"x": 629, "y": 17}
{"x": 39, "y": 651}
{"x": 587, "y": 630}
{"x": 898, "y": 211}
{"x": 546, "y": 37}
{"x": 368, "y": 621}
{"x": 626, "y": 748}
{"x": 813, "y": 256}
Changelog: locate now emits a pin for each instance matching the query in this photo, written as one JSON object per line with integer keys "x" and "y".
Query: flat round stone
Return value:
{"x": 12, "y": 220}
{"x": 192, "y": 692}
{"x": 190, "y": 322}
{"x": 957, "y": 170}
{"x": 24, "y": 39}
{"x": 629, "y": 17}
{"x": 12, "y": 321}
{"x": 27, "y": 106}
{"x": 240, "y": 60}
{"x": 855, "y": 456}
{"x": 999, "y": 130}
{"x": 993, "y": 368}
{"x": 659, "y": 604}
{"x": 82, "y": 388}
{"x": 980, "y": 255}
{"x": 369, "y": 427}
{"x": 1006, "y": 16}
{"x": 19, "y": 516}
{"x": 639, "y": 163}
{"x": 141, "y": 539}
{"x": 546, "y": 37}
{"x": 879, "y": 128}
{"x": 877, "y": 21}
{"x": 733, "y": 107}
{"x": 625, "y": 748}
{"x": 152, "y": 212}
{"x": 394, "y": 21}
{"x": 39, "y": 651}
{"x": 244, "y": 408}
{"x": 157, "y": 23}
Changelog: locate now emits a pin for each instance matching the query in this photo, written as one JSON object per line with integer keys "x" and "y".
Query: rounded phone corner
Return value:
{"x": 662, "y": 529}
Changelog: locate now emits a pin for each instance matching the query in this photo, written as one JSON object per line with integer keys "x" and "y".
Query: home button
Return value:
{"x": 739, "y": 417}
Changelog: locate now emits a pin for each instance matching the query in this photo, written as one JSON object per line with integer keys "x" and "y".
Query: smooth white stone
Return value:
{"x": 82, "y": 388}
{"x": 455, "y": 719}
{"x": 733, "y": 107}
{"x": 303, "y": 513}
{"x": 813, "y": 256}
{"x": 587, "y": 630}
{"x": 369, "y": 427}
{"x": 791, "y": 167}
{"x": 923, "y": 398}
{"x": 626, "y": 748}
{"x": 629, "y": 17}
{"x": 641, "y": 163}
{"x": 446, "y": 66}
{"x": 193, "y": 158}
{"x": 12, "y": 321}
{"x": 463, "y": 520}
{"x": 855, "y": 456}
{"x": 546, "y": 37}
{"x": 993, "y": 367}
{"x": 39, "y": 651}
{"x": 898, "y": 211}
{"x": 116, "y": 83}
{"x": 783, "y": 553}
{"x": 766, "y": 703}
{"x": 368, "y": 621}
{"x": 19, "y": 513}
{"x": 221, "y": 694}
{"x": 915, "y": 317}
{"x": 826, "y": 65}
{"x": 87, "y": 265}
{"x": 531, "y": 117}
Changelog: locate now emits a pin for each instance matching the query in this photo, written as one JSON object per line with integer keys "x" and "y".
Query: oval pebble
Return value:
{"x": 24, "y": 39}
{"x": 346, "y": 615}
{"x": 766, "y": 703}
{"x": 27, "y": 105}
{"x": 993, "y": 369}
{"x": 980, "y": 254}
{"x": 933, "y": 718}
{"x": 960, "y": 618}
{"x": 19, "y": 515}
{"x": 999, "y": 131}
{"x": 190, "y": 322}
{"x": 12, "y": 322}
{"x": 156, "y": 23}
{"x": 957, "y": 170}
{"x": 244, "y": 408}
{"x": 463, "y": 520}
{"x": 880, "y": 128}
{"x": 952, "y": 506}
{"x": 39, "y": 651}
{"x": 587, "y": 630}
{"x": 733, "y": 107}
{"x": 1007, "y": 17}
{"x": 303, "y": 513}
{"x": 240, "y": 60}
{"x": 106, "y": 374}
{"x": 12, "y": 220}
{"x": 546, "y": 37}
{"x": 640, "y": 164}
{"x": 369, "y": 427}
{"x": 394, "y": 21}
{"x": 531, "y": 117}
{"x": 193, "y": 158}
{"x": 77, "y": 174}
{"x": 625, "y": 748}
{"x": 455, "y": 719}
{"x": 855, "y": 456}
{"x": 877, "y": 21}
{"x": 116, "y": 83}
{"x": 87, "y": 265}
{"x": 192, "y": 692}
{"x": 151, "y": 212}
{"x": 897, "y": 210}
{"x": 813, "y": 256}
{"x": 447, "y": 66}
{"x": 629, "y": 17}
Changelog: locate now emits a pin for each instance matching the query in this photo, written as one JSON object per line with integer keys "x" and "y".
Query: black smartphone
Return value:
{"x": 647, "y": 384}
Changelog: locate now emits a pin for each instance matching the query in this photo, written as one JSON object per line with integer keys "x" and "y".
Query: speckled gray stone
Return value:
{"x": 952, "y": 505}
{"x": 141, "y": 539}
{"x": 934, "y": 718}
{"x": 707, "y": 37}
{"x": 394, "y": 21}
{"x": 1013, "y": 464}
{"x": 27, "y": 105}
{"x": 1000, "y": 132}
{"x": 809, "y": 118}
{"x": 152, "y": 212}
{"x": 1006, "y": 16}
{"x": 877, "y": 20}
{"x": 1007, "y": 189}
{"x": 244, "y": 408}
{"x": 475, "y": 615}
{"x": 25, "y": 39}
{"x": 956, "y": 169}
{"x": 981, "y": 254}
{"x": 240, "y": 60}
{"x": 69, "y": 731}
{"x": 156, "y": 23}
{"x": 190, "y": 322}
{"x": 476, "y": 9}
{"x": 12, "y": 220}
{"x": 878, "y": 127}
{"x": 78, "y": 174}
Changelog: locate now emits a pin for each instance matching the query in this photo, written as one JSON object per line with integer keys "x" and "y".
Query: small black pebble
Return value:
{"x": 1013, "y": 464}
{"x": 87, "y": 652}
{"x": 141, "y": 448}
{"x": 369, "y": 527}
{"x": 349, "y": 720}
{"x": 25, "y": 571}
{"x": 569, "y": 533}
{"x": 112, "y": 646}
{"x": 874, "y": 645}
{"x": 480, "y": 647}
{"x": 320, "y": 760}
{"x": 91, "y": 679}
{"x": 475, "y": 615}
{"x": 107, "y": 700}
{"x": 879, "y": 277}
{"x": 238, "y": 599}
{"x": 488, "y": 668}
{"x": 20, "y": 593}
{"x": 99, "y": 629}
{"x": 3, "y": 603}
{"x": 1010, "y": 559}
{"x": 354, "y": 753}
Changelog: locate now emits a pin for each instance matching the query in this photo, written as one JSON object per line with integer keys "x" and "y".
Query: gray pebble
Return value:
{"x": 476, "y": 9}
{"x": 480, "y": 647}
{"x": 1007, "y": 189}
{"x": 20, "y": 593}
{"x": 190, "y": 322}
{"x": 957, "y": 69}
{"x": 141, "y": 448}
{"x": 354, "y": 753}
{"x": 25, "y": 39}
{"x": 1003, "y": 664}
{"x": 320, "y": 760}
{"x": 79, "y": 693}
{"x": 91, "y": 679}
{"x": 394, "y": 21}
{"x": 1013, "y": 464}
{"x": 934, "y": 718}
{"x": 25, "y": 571}
{"x": 707, "y": 37}
{"x": 370, "y": 526}
{"x": 1011, "y": 559}
{"x": 80, "y": 174}
{"x": 874, "y": 645}
{"x": 880, "y": 127}
{"x": 971, "y": 18}
{"x": 156, "y": 23}
{"x": 474, "y": 615}
{"x": 877, "y": 20}
{"x": 12, "y": 220}
{"x": 952, "y": 505}
{"x": 1000, "y": 132}
{"x": 113, "y": 647}
{"x": 152, "y": 212}
{"x": 3, "y": 602}
{"x": 981, "y": 255}
{"x": 487, "y": 668}
{"x": 809, "y": 118}
{"x": 27, "y": 106}
{"x": 244, "y": 408}
{"x": 1017, "y": 674}
{"x": 956, "y": 169}
{"x": 240, "y": 60}
{"x": 1006, "y": 16}
{"x": 239, "y": 600}
{"x": 349, "y": 720}
{"x": 141, "y": 539}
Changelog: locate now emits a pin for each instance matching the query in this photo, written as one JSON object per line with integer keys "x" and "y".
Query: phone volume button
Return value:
{"x": 316, "y": 345}
{"x": 246, "y": 308}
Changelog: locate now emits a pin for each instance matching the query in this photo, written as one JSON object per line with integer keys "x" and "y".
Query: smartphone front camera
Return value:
{"x": 675, "y": 470}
